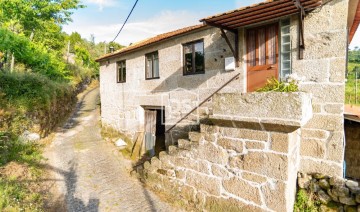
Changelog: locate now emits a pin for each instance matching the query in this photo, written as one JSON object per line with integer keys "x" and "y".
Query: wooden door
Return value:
{"x": 150, "y": 130}
{"x": 262, "y": 55}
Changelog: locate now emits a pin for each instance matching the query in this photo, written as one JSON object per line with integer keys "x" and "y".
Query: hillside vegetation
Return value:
{"x": 42, "y": 69}
{"x": 353, "y": 77}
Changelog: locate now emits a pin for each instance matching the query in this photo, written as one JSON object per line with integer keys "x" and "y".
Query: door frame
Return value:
{"x": 257, "y": 68}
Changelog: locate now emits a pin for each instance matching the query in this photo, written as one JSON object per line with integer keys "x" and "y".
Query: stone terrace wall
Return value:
{"x": 323, "y": 67}
{"x": 352, "y": 149}
{"x": 223, "y": 168}
{"x": 246, "y": 161}
{"x": 334, "y": 193}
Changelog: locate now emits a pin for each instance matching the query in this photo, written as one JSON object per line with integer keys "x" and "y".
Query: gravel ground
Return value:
{"x": 89, "y": 174}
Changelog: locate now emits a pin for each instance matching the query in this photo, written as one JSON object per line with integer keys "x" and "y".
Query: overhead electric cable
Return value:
{"x": 125, "y": 20}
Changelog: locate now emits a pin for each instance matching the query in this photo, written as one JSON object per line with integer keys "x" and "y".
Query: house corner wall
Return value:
{"x": 323, "y": 67}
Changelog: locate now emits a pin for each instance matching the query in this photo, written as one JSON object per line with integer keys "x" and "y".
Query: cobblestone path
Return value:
{"x": 89, "y": 174}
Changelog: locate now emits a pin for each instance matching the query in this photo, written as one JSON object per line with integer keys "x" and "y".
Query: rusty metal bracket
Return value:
{"x": 302, "y": 15}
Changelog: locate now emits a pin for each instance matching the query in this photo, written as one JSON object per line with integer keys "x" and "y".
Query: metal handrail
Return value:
{"x": 195, "y": 108}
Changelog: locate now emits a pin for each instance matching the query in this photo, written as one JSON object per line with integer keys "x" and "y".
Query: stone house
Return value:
{"x": 190, "y": 91}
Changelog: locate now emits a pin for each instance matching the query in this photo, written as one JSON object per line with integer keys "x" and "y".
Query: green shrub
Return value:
{"x": 304, "y": 203}
{"x": 34, "y": 56}
{"x": 28, "y": 99}
{"x": 278, "y": 86}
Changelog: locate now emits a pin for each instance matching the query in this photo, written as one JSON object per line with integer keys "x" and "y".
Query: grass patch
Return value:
{"x": 112, "y": 135}
{"x": 20, "y": 171}
{"x": 305, "y": 202}
{"x": 33, "y": 102}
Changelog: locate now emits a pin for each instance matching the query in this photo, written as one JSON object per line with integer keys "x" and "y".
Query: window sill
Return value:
{"x": 154, "y": 78}
{"x": 195, "y": 73}
{"x": 121, "y": 82}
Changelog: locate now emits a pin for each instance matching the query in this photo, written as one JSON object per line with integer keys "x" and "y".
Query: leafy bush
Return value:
{"x": 28, "y": 99}
{"x": 278, "y": 86}
{"x": 304, "y": 203}
{"x": 33, "y": 55}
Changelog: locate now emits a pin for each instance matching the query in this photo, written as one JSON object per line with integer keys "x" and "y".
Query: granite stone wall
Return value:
{"x": 323, "y": 71}
{"x": 331, "y": 193}
{"x": 122, "y": 104}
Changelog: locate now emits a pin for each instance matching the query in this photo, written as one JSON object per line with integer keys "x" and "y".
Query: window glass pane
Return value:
{"x": 261, "y": 43}
{"x": 188, "y": 63}
{"x": 285, "y": 30}
{"x": 285, "y": 47}
{"x": 124, "y": 73}
{"x": 187, "y": 49}
{"x": 199, "y": 61}
{"x": 156, "y": 66}
{"x": 285, "y": 57}
{"x": 251, "y": 47}
{"x": 119, "y": 74}
{"x": 286, "y": 39}
{"x": 199, "y": 47}
{"x": 271, "y": 32}
{"x": 149, "y": 67}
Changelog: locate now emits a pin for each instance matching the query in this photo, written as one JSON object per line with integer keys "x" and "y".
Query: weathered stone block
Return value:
{"x": 231, "y": 144}
{"x": 311, "y": 166}
{"x": 180, "y": 174}
{"x": 326, "y": 122}
{"x": 268, "y": 164}
{"x": 184, "y": 144}
{"x": 254, "y": 145}
{"x": 313, "y": 148}
{"x": 334, "y": 108}
{"x": 315, "y": 71}
{"x": 324, "y": 93}
{"x": 195, "y": 136}
{"x": 253, "y": 177}
{"x": 245, "y": 134}
{"x": 220, "y": 171}
{"x": 269, "y": 105}
{"x": 280, "y": 142}
{"x": 323, "y": 197}
{"x": 335, "y": 147}
{"x": 324, "y": 184}
{"x": 275, "y": 196}
{"x": 242, "y": 189}
{"x": 215, "y": 204}
{"x": 210, "y": 129}
{"x": 304, "y": 180}
{"x": 313, "y": 133}
{"x": 347, "y": 200}
{"x": 203, "y": 182}
{"x": 208, "y": 151}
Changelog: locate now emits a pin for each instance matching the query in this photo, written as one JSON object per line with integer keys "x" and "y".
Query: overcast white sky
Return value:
{"x": 103, "y": 18}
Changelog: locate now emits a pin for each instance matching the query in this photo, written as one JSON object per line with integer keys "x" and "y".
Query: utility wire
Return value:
{"x": 125, "y": 20}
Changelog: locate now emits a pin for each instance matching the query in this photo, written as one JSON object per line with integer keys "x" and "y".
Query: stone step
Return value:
{"x": 195, "y": 136}
{"x": 184, "y": 144}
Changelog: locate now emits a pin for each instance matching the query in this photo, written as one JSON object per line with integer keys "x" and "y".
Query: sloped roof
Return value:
{"x": 149, "y": 41}
{"x": 355, "y": 24}
{"x": 267, "y": 10}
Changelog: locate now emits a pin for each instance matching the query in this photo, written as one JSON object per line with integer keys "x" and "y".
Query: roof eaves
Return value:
{"x": 152, "y": 41}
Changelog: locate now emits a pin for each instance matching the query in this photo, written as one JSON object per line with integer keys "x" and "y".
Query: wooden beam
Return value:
{"x": 237, "y": 49}
{"x": 228, "y": 42}
{"x": 221, "y": 26}
{"x": 276, "y": 15}
{"x": 267, "y": 12}
{"x": 251, "y": 14}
